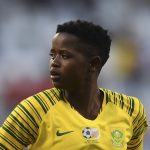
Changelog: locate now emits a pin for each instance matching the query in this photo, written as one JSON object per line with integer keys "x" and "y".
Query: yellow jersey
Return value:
{"x": 46, "y": 122}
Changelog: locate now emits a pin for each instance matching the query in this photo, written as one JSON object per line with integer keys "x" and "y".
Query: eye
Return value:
{"x": 52, "y": 55}
{"x": 65, "y": 56}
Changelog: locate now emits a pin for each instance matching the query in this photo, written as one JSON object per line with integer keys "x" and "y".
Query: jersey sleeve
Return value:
{"x": 139, "y": 127}
{"x": 21, "y": 127}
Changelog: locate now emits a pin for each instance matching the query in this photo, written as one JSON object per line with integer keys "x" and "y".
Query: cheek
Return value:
{"x": 69, "y": 70}
{"x": 50, "y": 63}
{"x": 75, "y": 71}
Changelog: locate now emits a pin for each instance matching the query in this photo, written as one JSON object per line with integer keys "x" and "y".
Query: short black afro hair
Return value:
{"x": 93, "y": 35}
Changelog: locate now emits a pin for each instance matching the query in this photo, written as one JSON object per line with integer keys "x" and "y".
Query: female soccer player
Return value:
{"x": 76, "y": 114}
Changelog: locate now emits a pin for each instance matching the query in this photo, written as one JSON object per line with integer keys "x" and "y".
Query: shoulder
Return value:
{"x": 42, "y": 101}
{"x": 130, "y": 104}
{"x": 133, "y": 108}
{"x": 21, "y": 128}
{"x": 34, "y": 108}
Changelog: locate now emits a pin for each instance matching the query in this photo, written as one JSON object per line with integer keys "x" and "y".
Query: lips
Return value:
{"x": 54, "y": 75}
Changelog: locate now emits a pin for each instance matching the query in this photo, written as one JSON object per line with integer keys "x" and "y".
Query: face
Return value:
{"x": 68, "y": 66}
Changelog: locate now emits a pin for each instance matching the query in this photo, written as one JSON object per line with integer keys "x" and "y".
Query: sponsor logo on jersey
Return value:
{"x": 58, "y": 133}
{"x": 91, "y": 134}
{"x": 117, "y": 138}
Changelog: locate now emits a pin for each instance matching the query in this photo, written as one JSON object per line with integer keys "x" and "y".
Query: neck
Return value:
{"x": 85, "y": 100}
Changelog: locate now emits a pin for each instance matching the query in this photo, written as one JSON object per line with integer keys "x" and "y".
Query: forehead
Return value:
{"x": 65, "y": 40}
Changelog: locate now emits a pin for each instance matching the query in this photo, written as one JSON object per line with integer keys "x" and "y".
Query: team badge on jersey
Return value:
{"x": 91, "y": 133}
{"x": 117, "y": 137}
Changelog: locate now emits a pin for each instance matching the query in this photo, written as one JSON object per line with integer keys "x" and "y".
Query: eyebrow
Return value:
{"x": 52, "y": 50}
{"x": 61, "y": 50}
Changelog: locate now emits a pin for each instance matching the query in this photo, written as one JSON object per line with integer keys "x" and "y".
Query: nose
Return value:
{"x": 55, "y": 62}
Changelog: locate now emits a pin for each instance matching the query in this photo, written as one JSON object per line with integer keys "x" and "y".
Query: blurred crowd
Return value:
{"x": 26, "y": 30}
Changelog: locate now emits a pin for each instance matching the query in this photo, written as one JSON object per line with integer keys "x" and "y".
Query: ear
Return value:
{"x": 95, "y": 64}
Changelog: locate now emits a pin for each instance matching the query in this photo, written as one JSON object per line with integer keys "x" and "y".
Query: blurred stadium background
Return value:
{"x": 26, "y": 29}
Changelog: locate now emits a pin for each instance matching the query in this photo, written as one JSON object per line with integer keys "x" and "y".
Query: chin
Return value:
{"x": 57, "y": 85}
{"x": 61, "y": 84}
